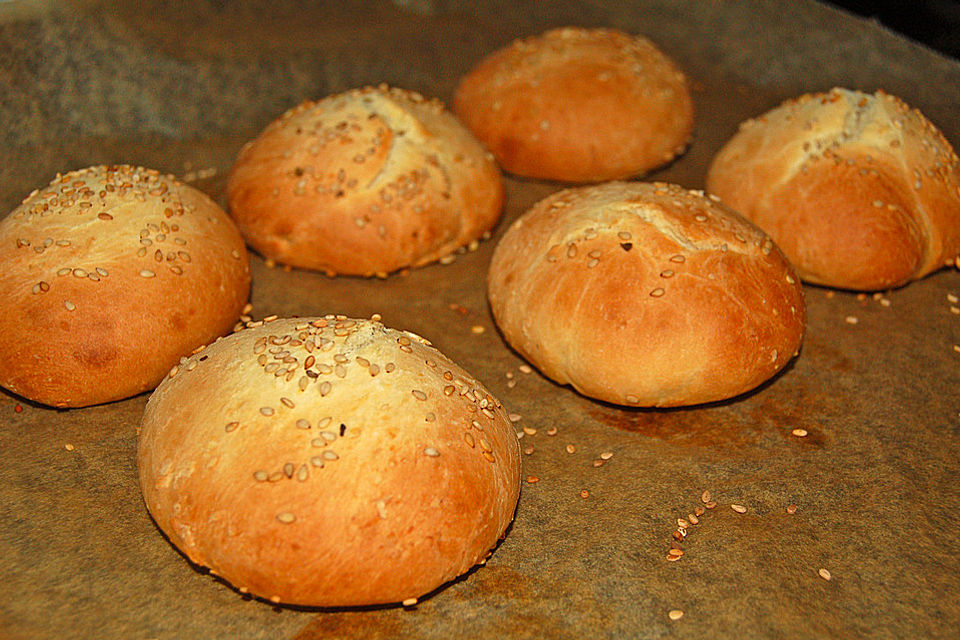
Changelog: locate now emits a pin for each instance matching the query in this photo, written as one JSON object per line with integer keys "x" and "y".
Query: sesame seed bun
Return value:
{"x": 859, "y": 191}
{"x": 645, "y": 295}
{"x": 364, "y": 183}
{"x": 109, "y": 275}
{"x": 578, "y": 105}
{"x": 328, "y": 462}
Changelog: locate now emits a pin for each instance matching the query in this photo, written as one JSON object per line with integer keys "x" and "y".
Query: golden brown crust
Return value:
{"x": 110, "y": 275}
{"x": 645, "y": 295}
{"x": 328, "y": 462}
{"x": 578, "y": 105}
{"x": 363, "y": 183}
{"x": 859, "y": 191}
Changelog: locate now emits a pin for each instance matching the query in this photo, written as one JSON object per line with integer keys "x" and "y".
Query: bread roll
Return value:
{"x": 578, "y": 105}
{"x": 328, "y": 462}
{"x": 364, "y": 183}
{"x": 645, "y": 295}
{"x": 110, "y": 275}
{"x": 859, "y": 191}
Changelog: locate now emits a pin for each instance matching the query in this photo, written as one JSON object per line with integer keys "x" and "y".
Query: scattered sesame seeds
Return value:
{"x": 825, "y": 574}
{"x": 739, "y": 508}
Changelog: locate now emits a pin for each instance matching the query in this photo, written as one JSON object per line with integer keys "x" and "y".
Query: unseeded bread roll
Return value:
{"x": 364, "y": 183}
{"x": 645, "y": 295}
{"x": 108, "y": 276}
{"x": 578, "y": 105}
{"x": 328, "y": 462}
{"x": 859, "y": 191}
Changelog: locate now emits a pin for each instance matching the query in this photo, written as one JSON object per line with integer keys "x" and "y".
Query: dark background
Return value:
{"x": 935, "y": 23}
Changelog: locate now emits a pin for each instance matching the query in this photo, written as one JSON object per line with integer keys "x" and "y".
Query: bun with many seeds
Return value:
{"x": 328, "y": 462}
{"x": 110, "y": 275}
{"x": 364, "y": 183}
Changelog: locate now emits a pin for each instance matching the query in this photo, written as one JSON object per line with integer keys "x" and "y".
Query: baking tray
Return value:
{"x": 180, "y": 87}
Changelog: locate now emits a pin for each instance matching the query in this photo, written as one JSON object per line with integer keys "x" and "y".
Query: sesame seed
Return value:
{"x": 675, "y": 614}
{"x": 409, "y": 602}
{"x": 525, "y": 369}
{"x": 419, "y": 395}
{"x": 739, "y": 508}
{"x": 489, "y": 456}
{"x": 261, "y": 476}
{"x": 431, "y": 452}
{"x": 800, "y": 433}
{"x": 606, "y": 455}
{"x": 325, "y": 387}
{"x": 469, "y": 439}
{"x": 851, "y": 320}
{"x": 69, "y": 305}
{"x": 303, "y": 423}
{"x": 514, "y": 417}
{"x": 286, "y": 517}
{"x": 825, "y": 574}
{"x": 267, "y": 411}
{"x": 711, "y": 505}
{"x": 584, "y": 493}
{"x": 675, "y": 552}
{"x": 533, "y": 479}
{"x": 571, "y": 448}
{"x": 68, "y": 447}
{"x": 656, "y": 293}
{"x": 791, "y": 508}
{"x": 705, "y": 497}
{"x": 231, "y": 426}
{"x": 530, "y": 431}
{"x": 146, "y": 273}
{"x": 330, "y": 455}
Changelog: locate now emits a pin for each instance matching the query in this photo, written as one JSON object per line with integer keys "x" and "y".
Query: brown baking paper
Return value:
{"x": 181, "y": 88}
